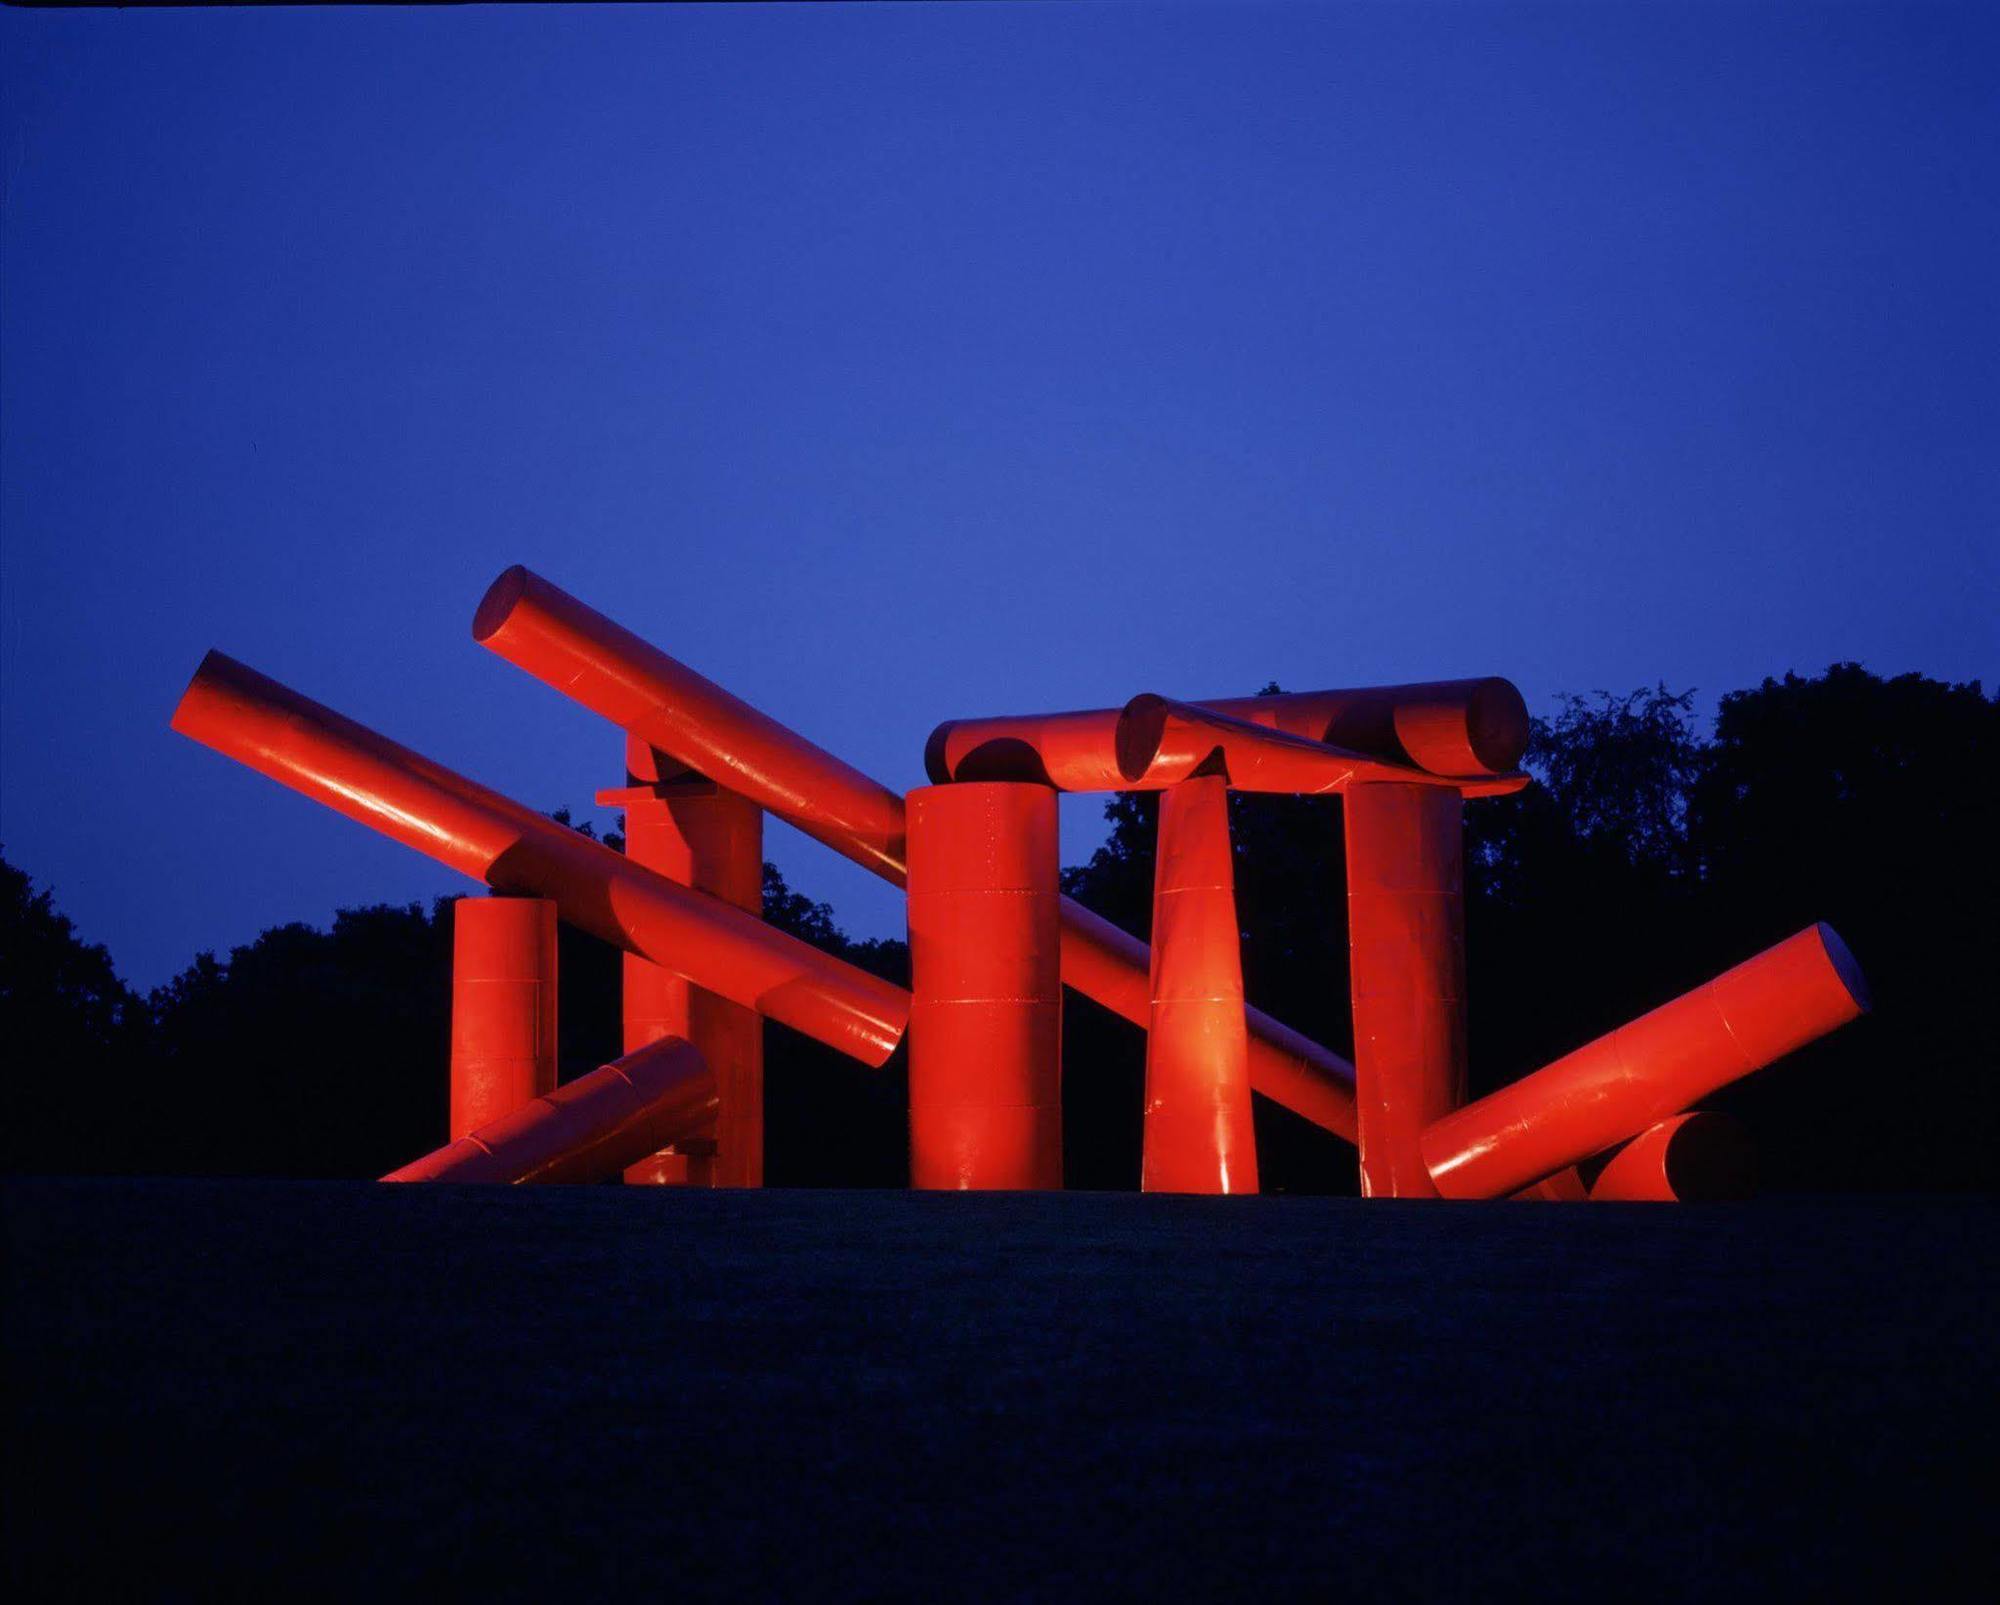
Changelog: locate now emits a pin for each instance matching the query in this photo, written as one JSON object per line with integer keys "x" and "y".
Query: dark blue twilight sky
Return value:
{"x": 892, "y": 363}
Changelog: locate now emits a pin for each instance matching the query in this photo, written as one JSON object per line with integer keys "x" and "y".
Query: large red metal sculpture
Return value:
{"x": 992, "y": 941}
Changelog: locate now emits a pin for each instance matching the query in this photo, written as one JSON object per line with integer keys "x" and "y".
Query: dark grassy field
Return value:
{"x": 276, "y": 1391}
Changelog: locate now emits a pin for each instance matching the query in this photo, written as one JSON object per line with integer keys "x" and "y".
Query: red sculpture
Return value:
{"x": 992, "y": 941}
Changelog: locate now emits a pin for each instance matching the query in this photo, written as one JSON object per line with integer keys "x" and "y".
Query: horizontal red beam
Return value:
{"x": 1459, "y": 728}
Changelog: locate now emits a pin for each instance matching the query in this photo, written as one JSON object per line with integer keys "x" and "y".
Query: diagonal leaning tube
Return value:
{"x": 333, "y": 760}
{"x": 1611, "y": 1090}
{"x": 543, "y": 629}
{"x": 590, "y": 1129}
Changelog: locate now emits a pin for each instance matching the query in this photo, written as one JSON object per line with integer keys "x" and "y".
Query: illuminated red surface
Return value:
{"x": 367, "y": 777}
{"x": 1702, "y": 1157}
{"x": 503, "y": 1007}
{"x": 1406, "y": 935}
{"x": 1198, "y": 1132}
{"x": 1445, "y": 727}
{"x": 606, "y": 668}
{"x": 985, "y": 988}
{"x": 1160, "y": 742}
{"x": 586, "y": 1131}
{"x": 1610, "y": 1090}
{"x": 700, "y": 835}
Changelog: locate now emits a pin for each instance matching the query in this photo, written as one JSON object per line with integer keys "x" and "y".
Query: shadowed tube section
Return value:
{"x": 1406, "y": 935}
{"x": 985, "y": 988}
{"x": 503, "y": 1007}
{"x": 601, "y": 665}
{"x": 317, "y": 752}
{"x": 1610, "y": 1090}
{"x": 1695, "y": 1158}
{"x": 704, "y": 836}
{"x": 589, "y": 1130}
{"x": 1199, "y": 1137}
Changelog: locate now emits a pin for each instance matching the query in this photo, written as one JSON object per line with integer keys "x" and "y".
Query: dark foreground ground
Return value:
{"x": 274, "y": 1391}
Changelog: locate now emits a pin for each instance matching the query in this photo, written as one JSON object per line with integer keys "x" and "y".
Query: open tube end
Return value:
{"x": 201, "y": 690}
{"x": 1497, "y": 725}
{"x": 497, "y": 605}
{"x": 934, "y": 755}
{"x": 1845, "y": 965}
{"x": 1142, "y": 725}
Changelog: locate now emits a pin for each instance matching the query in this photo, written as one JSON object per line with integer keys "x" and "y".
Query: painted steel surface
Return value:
{"x": 1700, "y": 1157}
{"x": 559, "y": 640}
{"x": 985, "y": 988}
{"x": 1610, "y": 1090}
{"x": 1161, "y": 742}
{"x": 1199, "y": 1137}
{"x": 1446, "y": 727}
{"x": 1406, "y": 936}
{"x": 333, "y": 760}
{"x": 503, "y": 1007}
{"x": 588, "y": 1130}
{"x": 543, "y": 629}
{"x": 701, "y": 835}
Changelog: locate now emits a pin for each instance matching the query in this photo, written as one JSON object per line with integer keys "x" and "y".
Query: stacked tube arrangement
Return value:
{"x": 992, "y": 940}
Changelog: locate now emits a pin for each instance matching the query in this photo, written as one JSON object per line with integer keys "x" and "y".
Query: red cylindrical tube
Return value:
{"x": 556, "y": 638}
{"x": 578, "y": 651}
{"x": 697, "y": 834}
{"x": 1199, "y": 1137}
{"x": 585, "y": 1131}
{"x": 1160, "y": 742}
{"x": 1406, "y": 936}
{"x": 1446, "y": 727}
{"x": 1696, "y": 1158}
{"x": 1614, "y": 1088}
{"x": 986, "y": 988}
{"x": 351, "y": 769}
{"x": 503, "y": 1007}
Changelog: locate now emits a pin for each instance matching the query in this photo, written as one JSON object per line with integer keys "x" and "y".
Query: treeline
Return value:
{"x": 1649, "y": 857}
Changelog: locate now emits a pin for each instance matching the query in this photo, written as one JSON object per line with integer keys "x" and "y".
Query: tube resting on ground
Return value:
{"x": 1696, "y": 1158}
{"x": 588, "y": 1130}
{"x": 1610, "y": 1090}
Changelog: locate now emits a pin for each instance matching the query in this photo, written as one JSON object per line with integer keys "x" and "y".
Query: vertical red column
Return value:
{"x": 1406, "y": 941}
{"x": 503, "y": 1007}
{"x": 986, "y": 988}
{"x": 1199, "y": 1135}
{"x": 697, "y": 833}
